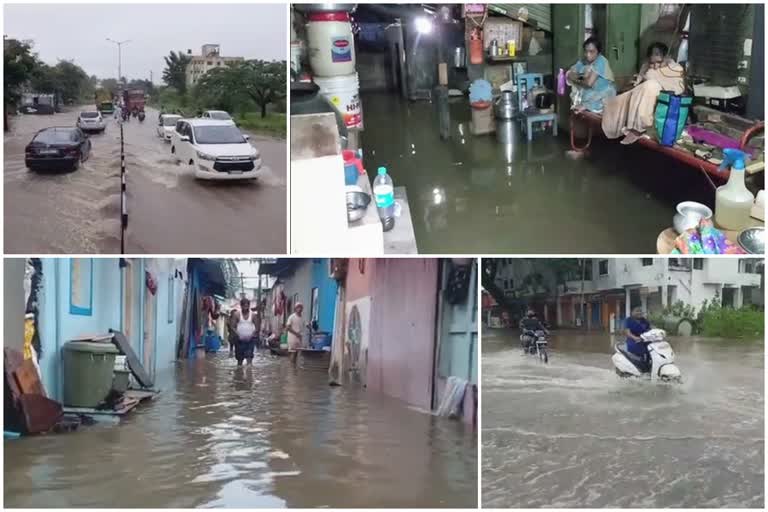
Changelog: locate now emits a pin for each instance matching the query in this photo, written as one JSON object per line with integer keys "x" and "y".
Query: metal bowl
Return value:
{"x": 689, "y": 214}
{"x": 357, "y": 204}
{"x": 752, "y": 240}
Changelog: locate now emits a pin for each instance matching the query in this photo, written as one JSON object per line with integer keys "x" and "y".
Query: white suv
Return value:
{"x": 167, "y": 125}
{"x": 219, "y": 115}
{"x": 217, "y": 150}
{"x": 91, "y": 121}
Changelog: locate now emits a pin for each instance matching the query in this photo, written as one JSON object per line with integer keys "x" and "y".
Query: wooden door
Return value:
{"x": 622, "y": 34}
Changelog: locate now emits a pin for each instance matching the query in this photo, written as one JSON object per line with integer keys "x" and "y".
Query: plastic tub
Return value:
{"x": 321, "y": 340}
{"x": 88, "y": 372}
{"x": 330, "y": 44}
{"x": 344, "y": 94}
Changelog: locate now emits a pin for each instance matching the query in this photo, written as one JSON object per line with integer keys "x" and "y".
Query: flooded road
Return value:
{"x": 572, "y": 434}
{"x": 473, "y": 192}
{"x": 266, "y": 436}
{"x": 169, "y": 211}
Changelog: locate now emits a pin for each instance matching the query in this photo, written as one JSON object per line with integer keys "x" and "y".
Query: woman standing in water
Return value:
{"x": 591, "y": 79}
{"x": 631, "y": 114}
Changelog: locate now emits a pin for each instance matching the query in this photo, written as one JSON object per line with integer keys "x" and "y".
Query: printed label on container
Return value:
{"x": 341, "y": 49}
{"x": 385, "y": 195}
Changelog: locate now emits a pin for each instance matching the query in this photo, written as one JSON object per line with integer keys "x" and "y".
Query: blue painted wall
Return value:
{"x": 327, "y": 289}
{"x": 459, "y": 346}
{"x": 58, "y": 325}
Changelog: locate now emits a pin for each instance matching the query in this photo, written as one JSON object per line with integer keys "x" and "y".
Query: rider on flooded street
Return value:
{"x": 530, "y": 324}
{"x": 635, "y": 325}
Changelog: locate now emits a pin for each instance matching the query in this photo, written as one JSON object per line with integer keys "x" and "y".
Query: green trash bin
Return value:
{"x": 88, "y": 372}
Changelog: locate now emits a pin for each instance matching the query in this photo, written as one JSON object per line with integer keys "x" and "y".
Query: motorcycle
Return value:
{"x": 141, "y": 116}
{"x": 535, "y": 343}
{"x": 660, "y": 364}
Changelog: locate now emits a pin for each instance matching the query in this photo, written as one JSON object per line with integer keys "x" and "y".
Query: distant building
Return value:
{"x": 612, "y": 286}
{"x": 209, "y": 58}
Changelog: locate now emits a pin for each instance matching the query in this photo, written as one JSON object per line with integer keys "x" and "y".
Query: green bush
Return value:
{"x": 273, "y": 125}
{"x": 714, "y": 320}
{"x": 722, "y": 322}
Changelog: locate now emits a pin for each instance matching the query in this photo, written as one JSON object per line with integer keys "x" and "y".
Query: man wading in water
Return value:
{"x": 244, "y": 327}
{"x": 295, "y": 326}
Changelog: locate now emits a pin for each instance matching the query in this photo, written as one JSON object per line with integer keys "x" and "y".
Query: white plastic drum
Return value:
{"x": 344, "y": 93}
{"x": 331, "y": 45}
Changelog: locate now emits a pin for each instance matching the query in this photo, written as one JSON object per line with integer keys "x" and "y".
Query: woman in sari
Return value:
{"x": 631, "y": 114}
{"x": 591, "y": 79}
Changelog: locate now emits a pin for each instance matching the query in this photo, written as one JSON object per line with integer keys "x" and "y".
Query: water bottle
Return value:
{"x": 384, "y": 193}
{"x": 561, "y": 82}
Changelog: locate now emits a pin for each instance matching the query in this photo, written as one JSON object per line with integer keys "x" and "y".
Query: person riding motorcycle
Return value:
{"x": 634, "y": 326}
{"x": 528, "y": 326}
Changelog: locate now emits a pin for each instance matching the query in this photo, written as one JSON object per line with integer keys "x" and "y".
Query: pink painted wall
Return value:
{"x": 359, "y": 277}
{"x": 402, "y": 336}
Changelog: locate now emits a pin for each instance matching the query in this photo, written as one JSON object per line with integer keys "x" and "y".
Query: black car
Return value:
{"x": 57, "y": 148}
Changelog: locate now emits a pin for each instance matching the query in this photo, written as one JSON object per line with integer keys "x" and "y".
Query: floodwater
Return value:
{"x": 571, "y": 433}
{"x": 473, "y": 193}
{"x": 169, "y": 211}
{"x": 264, "y": 436}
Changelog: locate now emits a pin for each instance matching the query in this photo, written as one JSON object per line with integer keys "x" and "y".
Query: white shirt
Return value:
{"x": 296, "y": 324}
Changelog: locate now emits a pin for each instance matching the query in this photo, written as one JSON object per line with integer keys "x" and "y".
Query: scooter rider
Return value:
{"x": 529, "y": 325}
{"x": 634, "y": 327}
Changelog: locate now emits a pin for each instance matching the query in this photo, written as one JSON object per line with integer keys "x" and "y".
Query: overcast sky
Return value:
{"x": 79, "y": 31}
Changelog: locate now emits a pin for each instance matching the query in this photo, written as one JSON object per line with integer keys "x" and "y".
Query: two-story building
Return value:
{"x": 615, "y": 285}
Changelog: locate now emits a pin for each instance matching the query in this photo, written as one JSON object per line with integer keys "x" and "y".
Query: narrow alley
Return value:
{"x": 200, "y": 382}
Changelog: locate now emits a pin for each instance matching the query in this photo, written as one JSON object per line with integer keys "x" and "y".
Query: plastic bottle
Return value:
{"x": 561, "y": 82}
{"x": 384, "y": 193}
{"x": 733, "y": 201}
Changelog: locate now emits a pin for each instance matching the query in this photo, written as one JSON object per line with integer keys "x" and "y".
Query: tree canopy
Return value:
{"x": 175, "y": 72}
{"x": 229, "y": 87}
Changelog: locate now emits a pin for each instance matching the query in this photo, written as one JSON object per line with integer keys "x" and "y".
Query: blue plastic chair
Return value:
{"x": 529, "y": 118}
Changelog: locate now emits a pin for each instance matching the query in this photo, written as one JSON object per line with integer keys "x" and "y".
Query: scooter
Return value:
{"x": 662, "y": 359}
{"x": 535, "y": 343}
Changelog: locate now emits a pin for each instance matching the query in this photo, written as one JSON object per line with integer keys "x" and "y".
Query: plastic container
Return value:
{"x": 353, "y": 167}
{"x": 296, "y": 52}
{"x": 212, "y": 342}
{"x": 733, "y": 201}
{"x": 320, "y": 340}
{"x": 88, "y": 372}
{"x": 561, "y": 82}
{"x": 344, "y": 94}
{"x": 330, "y": 44}
{"x": 121, "y": 380}
{"x": 384, "y": 193}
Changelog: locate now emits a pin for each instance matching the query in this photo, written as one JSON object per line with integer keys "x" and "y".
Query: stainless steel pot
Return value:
{"x": 506, "y": 106}
{"x": 459, "y": 55}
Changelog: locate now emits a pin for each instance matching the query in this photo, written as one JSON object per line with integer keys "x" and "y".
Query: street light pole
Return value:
{"x": 119, "y": 56}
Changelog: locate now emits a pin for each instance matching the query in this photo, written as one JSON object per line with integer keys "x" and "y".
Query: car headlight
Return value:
{"x": 205, "y": 156}
{"x": 255, "y": 157}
